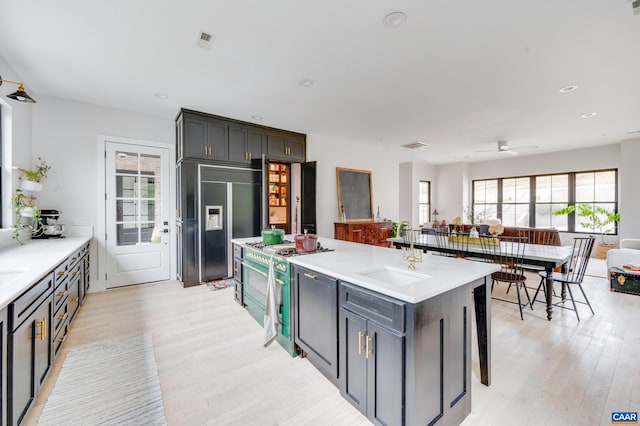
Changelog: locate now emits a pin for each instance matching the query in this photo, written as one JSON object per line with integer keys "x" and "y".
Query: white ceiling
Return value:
{"x": 458, "y": 75}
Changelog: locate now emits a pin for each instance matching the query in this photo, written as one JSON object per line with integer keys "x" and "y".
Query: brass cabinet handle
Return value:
{"x": 43, "y": 329}
{"x": 74, "y": 299}
{"x": 62, "y": 339}
{"x": 235, "y": 269}
{"x": 360, "y": 334}
{"x": 249, "y": 156}
{"x": 312, "y": 276}
{"x": 367, "y": 352}
{"x": 74, "y": 273}
{"x": 62, "y": 293}
{"x": 62, "y": 273}
{"x": 63, "y": 317}
{"x": 205, "y": 150}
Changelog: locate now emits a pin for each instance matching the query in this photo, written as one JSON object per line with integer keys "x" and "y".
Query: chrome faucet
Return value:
{"x": 410, "y": 255}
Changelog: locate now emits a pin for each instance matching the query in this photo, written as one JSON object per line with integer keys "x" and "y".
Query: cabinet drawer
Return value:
{"x": 60, "y": 318}
{"x": 237, "y": 269}
{"x": 381, "y": 309}
{"x": 61, "y": 336}
{"x": 237, "y": 251}
{"x": 60, "y": 294}
{"x": 76, "y": 257}
{"x": 23, "y": 306}
{"x": 61, "y": 272}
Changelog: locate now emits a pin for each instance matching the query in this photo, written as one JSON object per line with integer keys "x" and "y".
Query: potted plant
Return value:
{"x": 32, "y": 178}
{"x": 24, "y": 207}
{"x": 597, "y": 219}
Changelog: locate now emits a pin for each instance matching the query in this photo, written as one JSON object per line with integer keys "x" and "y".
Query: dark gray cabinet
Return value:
{"x": 29, "y": 347}
{"x": 372, "y": 357}
{"x": 316, "y": 319}
{"x": 286, "y": 146}
{"x": 246, "y": 144}
{"x": 206, "y": 139}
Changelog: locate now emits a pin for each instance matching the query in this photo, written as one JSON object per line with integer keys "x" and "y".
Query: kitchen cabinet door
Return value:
{"x": 385, "y": 375}
{"x": 256, "y": 144}
{"x": 30, "y": 356}
{"x": 238, "y": 144}
{"x": 296, "y": 150}
{"x": 316, "y": 319}
{"x": 353, "y": 361}
{"x": 217, "y": 140}
{"x": 195, "y": 139}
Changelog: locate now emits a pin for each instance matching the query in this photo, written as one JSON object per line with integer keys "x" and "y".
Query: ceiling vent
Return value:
{"x": 205, "y": 40}
{"x": 416, "y": 145}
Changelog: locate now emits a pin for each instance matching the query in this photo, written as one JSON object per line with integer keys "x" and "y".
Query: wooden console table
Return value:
{"x": 364, "y": 231}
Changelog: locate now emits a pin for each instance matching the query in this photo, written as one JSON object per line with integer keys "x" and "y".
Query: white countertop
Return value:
{"x": 33, "y": 260}
{"x": 355, "y": 263}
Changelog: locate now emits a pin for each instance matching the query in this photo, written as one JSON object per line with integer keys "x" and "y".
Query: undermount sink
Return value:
{"x": 9, "y": 274}
{"x": 396, "y": 276}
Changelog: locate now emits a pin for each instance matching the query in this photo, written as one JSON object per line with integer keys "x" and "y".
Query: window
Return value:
{"x": 424, "y": 202}
{"x": 597, "y": 189}
{"x": 552, "y": 194}
{"x": 529, "y": 201}
{"x": 515, "y": 201}
{"x": 485, "y": 199}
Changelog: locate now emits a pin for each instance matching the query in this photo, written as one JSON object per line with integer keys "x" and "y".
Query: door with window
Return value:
{"x": 137, "y": 214}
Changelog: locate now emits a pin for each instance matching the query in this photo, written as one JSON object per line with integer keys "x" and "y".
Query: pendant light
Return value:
{"x": 20, "y": 94}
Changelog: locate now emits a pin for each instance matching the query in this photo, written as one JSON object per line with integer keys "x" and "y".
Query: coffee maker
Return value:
{"x": 48, "y": 227}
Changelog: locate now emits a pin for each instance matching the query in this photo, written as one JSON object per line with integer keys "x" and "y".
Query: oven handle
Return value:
{"x": 261, "y": 272}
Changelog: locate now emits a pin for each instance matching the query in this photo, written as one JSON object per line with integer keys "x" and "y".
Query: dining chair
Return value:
{"x": 454, "y": 241}
{"x": 509, "y": 253}
{"x": 575, "y": 269}
{"x": 547, "y": 237}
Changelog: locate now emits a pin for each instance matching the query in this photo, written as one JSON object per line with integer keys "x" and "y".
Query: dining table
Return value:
{"x": 546, "y": 256}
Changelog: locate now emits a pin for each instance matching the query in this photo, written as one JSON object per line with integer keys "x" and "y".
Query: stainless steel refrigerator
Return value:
{"x": 230, "y": 207}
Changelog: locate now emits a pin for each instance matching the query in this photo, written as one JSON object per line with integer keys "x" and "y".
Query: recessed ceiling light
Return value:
{"x": 256, "y": 117}
{"x": 633, "y": 132}
{"x": 162, "y": 95}
{"x": 305, "y": 82}
{"x": 567, "y": 89}
{"x": 588, "y": 115}
{"x": 416, "y": 145}
{"x": 394, "y": 20}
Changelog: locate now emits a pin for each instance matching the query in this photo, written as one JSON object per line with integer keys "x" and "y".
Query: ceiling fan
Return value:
{"x": 503, "y": 147}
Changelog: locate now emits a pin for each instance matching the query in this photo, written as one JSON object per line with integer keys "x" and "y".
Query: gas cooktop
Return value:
{"x": 286, "y": 249}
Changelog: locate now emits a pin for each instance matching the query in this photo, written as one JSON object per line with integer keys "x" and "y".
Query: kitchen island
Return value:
{"x": 396, "y": 342}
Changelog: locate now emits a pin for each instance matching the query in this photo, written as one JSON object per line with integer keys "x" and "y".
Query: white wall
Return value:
{"x": 629, "y": 189}
{"x": 407, "y": 203}
{"x": 65, "y": 134}
{"x": 330, "y": 153}
{"x": 449, "y": 193}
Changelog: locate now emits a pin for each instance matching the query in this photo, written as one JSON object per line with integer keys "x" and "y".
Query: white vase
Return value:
{"x": 29, "y": 185}
{"x": 26, "y": 212}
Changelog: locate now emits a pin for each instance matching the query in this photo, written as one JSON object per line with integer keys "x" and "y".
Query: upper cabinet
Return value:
{"x": 201, "y": 136}
{"x": 205, "y": 139}
{"x": 285, "y": 146}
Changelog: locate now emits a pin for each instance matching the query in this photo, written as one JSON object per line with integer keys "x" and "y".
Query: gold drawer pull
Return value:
{"x": 312, "y": 276}
{"x": 63, "y": 317}
{"x": 43, "y": 329}
{"x": 62, "y": 293}
{"x": 367, "y": 350}
{"x": 62, "y": 273}
{"x": 62, "y": 339}
{"x": 74, "y": 299}
{"x": 360, "y": 334}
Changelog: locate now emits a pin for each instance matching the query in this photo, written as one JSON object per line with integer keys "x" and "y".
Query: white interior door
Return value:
{"x": 137, "y": 214}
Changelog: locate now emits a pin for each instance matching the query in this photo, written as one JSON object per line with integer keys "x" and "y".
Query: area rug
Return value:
{"x": 113, "y": 383}
{"x": 220, "y": 284}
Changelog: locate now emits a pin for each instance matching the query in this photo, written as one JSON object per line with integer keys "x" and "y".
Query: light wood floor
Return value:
{"x": 213, "y": 369}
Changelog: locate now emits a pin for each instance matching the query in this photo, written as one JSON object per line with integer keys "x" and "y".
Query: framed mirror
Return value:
{"x": 354, "y": 193}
